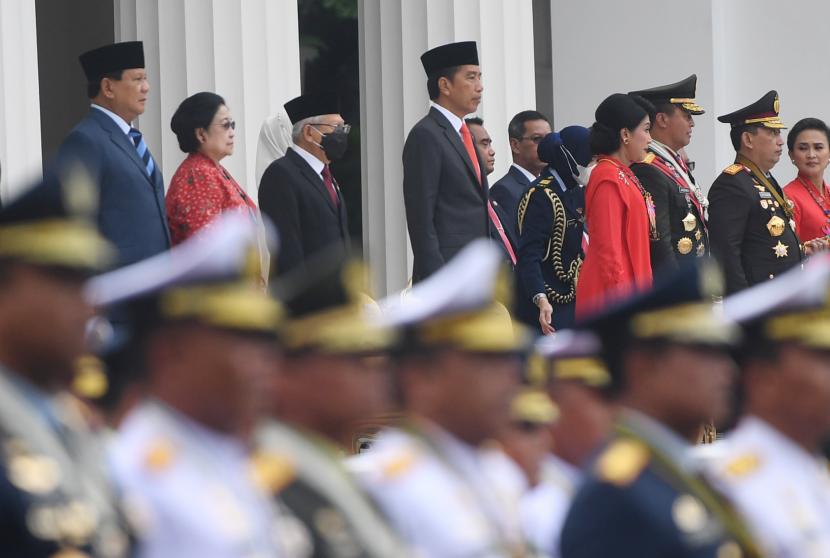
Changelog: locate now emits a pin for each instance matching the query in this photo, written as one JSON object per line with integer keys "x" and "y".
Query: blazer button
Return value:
{"x": 772, "y": 276}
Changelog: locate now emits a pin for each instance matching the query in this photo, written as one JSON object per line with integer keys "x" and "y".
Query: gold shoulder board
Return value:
{"x": 733, "y": 169}
{"x": 544, "y": 182}
{"x": 622, "y": 462}
{"x": 272, "y": 472}
{"x": 649, "y": 158}
{"x": 743, "y": 465}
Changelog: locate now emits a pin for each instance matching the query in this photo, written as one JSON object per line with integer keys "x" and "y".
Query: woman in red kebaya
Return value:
{"x": 809, "y": 146}
{"x": 201, "y": 188}
{"x": 619, "y": 212}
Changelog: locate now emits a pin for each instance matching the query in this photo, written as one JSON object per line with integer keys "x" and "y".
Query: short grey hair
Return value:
{"x": 297, "y": 130}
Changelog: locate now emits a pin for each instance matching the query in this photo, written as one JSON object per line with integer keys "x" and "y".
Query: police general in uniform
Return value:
{"x": 645, "y": 495}
{"x": 679, "y": 204}
{"x": 751, "y": 225}
{"x": 55, "y": 494}
{"x": 773, "y": 467}
{"x": 333, "y": 377}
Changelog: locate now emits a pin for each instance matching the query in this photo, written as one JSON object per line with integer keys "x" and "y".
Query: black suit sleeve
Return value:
{"x": 421, "y": 178}
{"x": 278, "y": 201}
{"x": 729, "y": 209}
{"x": 662, "y": 251}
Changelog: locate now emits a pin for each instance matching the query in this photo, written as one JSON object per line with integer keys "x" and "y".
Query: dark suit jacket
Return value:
{"x": 507, "y": 192}
{"x": 294, "y": 197}
{"x": 446, "y": 207}
{"x": 671, "y": 208}
{"x": 132, "y": 214}
{"x": 739, "y": 210}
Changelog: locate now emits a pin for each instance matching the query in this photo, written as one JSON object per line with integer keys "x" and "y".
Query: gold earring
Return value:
{"x": 625, "y": 141}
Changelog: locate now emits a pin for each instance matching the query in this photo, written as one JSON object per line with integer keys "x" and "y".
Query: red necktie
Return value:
{"x": 467, "y": 137}
{"x": 328, "y": 182}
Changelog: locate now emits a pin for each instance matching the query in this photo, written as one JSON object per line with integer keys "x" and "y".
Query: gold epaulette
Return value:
{"x": 649, "y": 158}
{"x": 743, "y": 465}
{"x": 272, "y": 472}
{"x": 399, "y": 464}
{"x": 733, "y": 169}
{"x": 544, "y": 182}
{"x": 159, "y": 455}
{"x": 622, "y": 462}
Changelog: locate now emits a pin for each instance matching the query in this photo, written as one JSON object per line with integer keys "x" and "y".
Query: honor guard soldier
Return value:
{"x": 207, "y": 333}
{"x": 446, "y": 492}
{"x": 774, "y": 469}
{"x": 334, "y": 377}
{"x": 679, "y": 203}
{"x": 551, "y": 220}
{"x": 751, "y": 225}
{"x": 55, "y": 497}
{"x": 667, "y": 354}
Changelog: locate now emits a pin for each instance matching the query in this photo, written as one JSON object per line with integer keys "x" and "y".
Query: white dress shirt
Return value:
{"x": 120, "y": 122}
{"x": 316, "y": 164}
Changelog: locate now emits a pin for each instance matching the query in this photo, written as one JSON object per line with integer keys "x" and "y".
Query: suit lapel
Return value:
{"x": 315, "y": 179}
{"x": 455, "y": 140}
{"x": 120, "y": 139}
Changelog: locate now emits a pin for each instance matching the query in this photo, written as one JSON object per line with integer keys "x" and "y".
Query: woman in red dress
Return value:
{"x": 201, "y": 189}
{"x": 619, "y": 212}
{"x": 809, "y": 146}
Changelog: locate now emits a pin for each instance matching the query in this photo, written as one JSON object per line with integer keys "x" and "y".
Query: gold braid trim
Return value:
{"x": 556, "y": 242}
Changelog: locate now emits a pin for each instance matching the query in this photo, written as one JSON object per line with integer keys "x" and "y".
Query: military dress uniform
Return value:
{"x": 645, "y": 496}
{"x": 679, "y": 203}
{"x": 56, "y": 498}
{"x": 445, "y": 496}
{"x": 751, "y": 224}
{"x": 190, "y": 488}
{"x": 551, "y": 221}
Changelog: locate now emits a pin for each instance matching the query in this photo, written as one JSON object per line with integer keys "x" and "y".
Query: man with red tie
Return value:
{"x": 445, "y": 190}
{"x": 298, "y": 192}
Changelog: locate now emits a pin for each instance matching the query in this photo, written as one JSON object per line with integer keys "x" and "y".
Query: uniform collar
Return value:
{"x": 756, "y": 428}
{"x": 664, "y": 439}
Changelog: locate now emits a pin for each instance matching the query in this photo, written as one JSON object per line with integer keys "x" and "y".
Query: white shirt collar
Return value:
{"x": 125, "y": 127}
{"x": 525, "y": 172}
{"x": 754, "y": 427}
{"x": 312, "y": 160}
{"x": 454, "y": 120}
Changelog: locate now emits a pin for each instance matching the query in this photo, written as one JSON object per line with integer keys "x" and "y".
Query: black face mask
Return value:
{"x": 334, "y": 144}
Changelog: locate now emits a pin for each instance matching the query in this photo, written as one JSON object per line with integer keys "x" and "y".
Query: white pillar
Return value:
{"x": 248, "y": 52}
{"x": 393, "y": 35}
{"x": 20, "y": 148}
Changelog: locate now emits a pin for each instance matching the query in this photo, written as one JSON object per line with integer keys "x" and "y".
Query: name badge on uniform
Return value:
{"x": 765, "y": 195}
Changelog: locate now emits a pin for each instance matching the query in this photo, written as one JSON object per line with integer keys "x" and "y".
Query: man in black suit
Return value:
{"x": 444, "y": 188}
{"x": 298, "y": 192}
{"x": 525, "y": 131}
{"x": 679, "y": 204}
{"x": 751, "y": 225}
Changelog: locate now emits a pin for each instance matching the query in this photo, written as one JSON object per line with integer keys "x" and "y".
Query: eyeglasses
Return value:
{"x": 534, "y": 139}
{"x": 345, "y": 128}
{"x": 228, "y": 125}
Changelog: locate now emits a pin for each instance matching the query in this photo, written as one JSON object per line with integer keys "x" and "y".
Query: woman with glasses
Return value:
{"x": 202, "y": 188}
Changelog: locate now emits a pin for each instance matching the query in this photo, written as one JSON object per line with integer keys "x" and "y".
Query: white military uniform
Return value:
{"x": 190, "y": 489}
{"x": 445, "y": 498}
{"x": 782, "y": 491}
{"x": 545, "y": 506}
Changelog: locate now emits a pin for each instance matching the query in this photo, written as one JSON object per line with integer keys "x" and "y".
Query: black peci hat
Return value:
{"x": 112, "y": 58}
{"x": 306, "y": 106}
{"x": 447, "y": 56}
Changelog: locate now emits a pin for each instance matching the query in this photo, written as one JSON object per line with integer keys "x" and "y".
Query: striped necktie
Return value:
{"x": 143, "y": 152}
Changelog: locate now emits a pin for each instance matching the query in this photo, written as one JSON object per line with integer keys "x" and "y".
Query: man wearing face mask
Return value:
{"x": 551, "y": 222}
{"x": 298, "y": 192}
{"x": 679, "y": 203}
